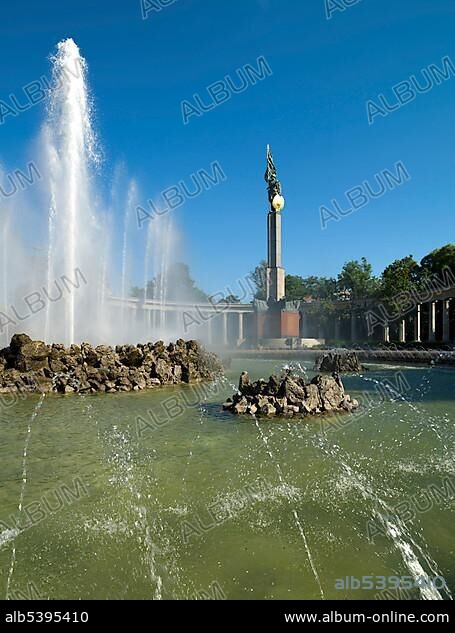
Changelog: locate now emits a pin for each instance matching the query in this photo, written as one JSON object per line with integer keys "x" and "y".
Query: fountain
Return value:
{"x": 60, "y": 273}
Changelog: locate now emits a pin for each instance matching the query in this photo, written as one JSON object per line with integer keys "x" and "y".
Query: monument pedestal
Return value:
{"x": 278, "y": 323}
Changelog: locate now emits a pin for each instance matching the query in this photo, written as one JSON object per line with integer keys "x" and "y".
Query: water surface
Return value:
{"x": 208, "y": 504}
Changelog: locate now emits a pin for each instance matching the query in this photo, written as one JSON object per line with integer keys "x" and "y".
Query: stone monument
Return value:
{"x": 277, "y": 320}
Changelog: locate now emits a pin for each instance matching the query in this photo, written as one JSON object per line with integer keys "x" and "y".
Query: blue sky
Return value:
{"x": 312, "y": 110}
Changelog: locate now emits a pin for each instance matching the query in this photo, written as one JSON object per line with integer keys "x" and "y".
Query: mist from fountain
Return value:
{"x": 61, "y": 246}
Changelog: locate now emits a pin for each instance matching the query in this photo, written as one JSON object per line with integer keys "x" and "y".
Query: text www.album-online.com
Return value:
{"x": 393, "y": 616}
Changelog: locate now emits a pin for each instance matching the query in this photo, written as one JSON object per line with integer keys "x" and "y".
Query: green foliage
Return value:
{"x": 357, "y": 277}
{"x": 259, "y": 276}
{"x": 136, "y": 292}
{"x": 179, "y": 286}
{"x": 230, "y": 299}
{"x": 400, "y": 276}
{"x": 434, "y": 262}
{"x": 315, "y": 287}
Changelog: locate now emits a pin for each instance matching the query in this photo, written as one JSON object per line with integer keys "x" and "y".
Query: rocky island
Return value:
{"x": 290, "y": 396}
{"x": 28, "y": 366}
{"x": 340, "y": 361}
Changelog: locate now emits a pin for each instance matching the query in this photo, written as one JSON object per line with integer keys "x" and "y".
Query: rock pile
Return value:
{"x": 290, "y": 396}
{"x": 338, "y": 361}
{"x": 32, "y": 366}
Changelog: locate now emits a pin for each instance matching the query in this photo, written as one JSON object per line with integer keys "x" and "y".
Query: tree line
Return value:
{"x": 355, "y": 281}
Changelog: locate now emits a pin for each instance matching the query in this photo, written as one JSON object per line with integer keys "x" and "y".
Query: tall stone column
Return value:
{"x": 402, "y": 331}
{"x": 275, "y": 282}
{"x": 241, "y": 332}
{"x": 275, "y": 271}
{"x": 432, "y": 322}
{"x": 445, "y": 321}
{"x": 386, "y": 334}
{"x": 418, "y": 324}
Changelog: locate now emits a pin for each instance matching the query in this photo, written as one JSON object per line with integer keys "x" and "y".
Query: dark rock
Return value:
{"x": 31, "y": 366}
{"x": 312, "y": 400}
{"x": 18, "y": 341}
{"x": 330, "y": 391}
{"x": 289, "y": 396}
{"x": 32, "y": 356}
{"x": 338, "y": 361}
{"x": 244, "y": 383}
{"x": 89, "y": 355}
{"x": 291, "y": 390}
{"x": 273, "y": 386}
{"x": 240, "y": 406}
{"x": 131, "y": 356}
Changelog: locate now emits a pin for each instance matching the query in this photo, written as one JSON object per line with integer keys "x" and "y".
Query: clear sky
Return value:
{"x": 312, "y": 110}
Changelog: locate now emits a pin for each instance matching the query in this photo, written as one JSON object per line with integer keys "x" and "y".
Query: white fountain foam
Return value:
{"x": 68, "y": 233}
{"x": 23, "y": 486}
{"x": 395, "y": 529}
{"x": 8, "y": 535}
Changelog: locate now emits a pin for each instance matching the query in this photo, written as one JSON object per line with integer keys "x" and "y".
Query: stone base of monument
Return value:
{"x": 311, "y": 342}
{"x": 291, "y": 342}
{"x": 277, "y": 322}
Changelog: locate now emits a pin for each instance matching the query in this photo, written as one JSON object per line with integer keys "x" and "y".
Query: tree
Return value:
{"x": 357, "y": 277}
{"x": 230, "y": 299}
{"x": 326, "y": 288}
{"x": 259, "y": 277}
{"x": 295, "y": 287}
{"x": 316, "y": 287}
{"x": 400, "y": 276}
{"x": 434, "y": 262}
{"x": 136, "y": 292}
{"x": 176, "y": 285}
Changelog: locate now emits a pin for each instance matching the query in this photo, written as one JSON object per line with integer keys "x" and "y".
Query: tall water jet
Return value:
{"x": 156, "y": 268}
{"x": 70, "y": 150}
{"x": 129, "y": 207}
{"x": 70, "y": 274}
{"x": 148, "y": 253}
{"x": 165, "y": 259}
{"x": 4, "y": 295}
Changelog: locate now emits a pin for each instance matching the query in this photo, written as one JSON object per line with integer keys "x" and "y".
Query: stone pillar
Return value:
{"x": 402, "y": 331}
{"x": 225, "y": 329}
{"x": 432, "y": 322}
{"x": 353, "y": 326}
{"x": 418, "y": 324}
{"x": 445, "y": 321}
{"x": 275, "y": 281}
{"x": 241, "y": 332}
{"x": 386, "y": 334}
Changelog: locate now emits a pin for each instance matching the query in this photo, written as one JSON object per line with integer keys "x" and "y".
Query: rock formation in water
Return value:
{"x": 28, "y": 366}
{"x": 339, "y": 361}
{"x": 290, "y": 396}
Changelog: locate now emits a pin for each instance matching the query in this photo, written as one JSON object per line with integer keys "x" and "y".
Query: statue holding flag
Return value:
{"x": 273, "y": 184}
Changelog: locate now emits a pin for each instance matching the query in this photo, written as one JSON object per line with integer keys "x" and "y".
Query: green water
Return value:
{"x": 209, "y": 504}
